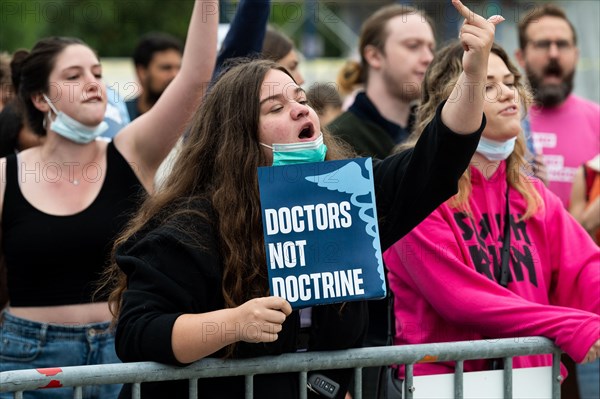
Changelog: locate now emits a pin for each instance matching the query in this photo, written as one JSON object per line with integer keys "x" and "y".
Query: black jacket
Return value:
{"x": 367, "y": 131}
{"x": 168, "y": 275}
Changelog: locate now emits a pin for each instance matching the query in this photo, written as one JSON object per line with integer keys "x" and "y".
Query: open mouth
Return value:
{"x": 553, "y": 74}
{"x": 552, "y": 79}
{"x": 553, "y": 70}
{"x": 307, "y": 131}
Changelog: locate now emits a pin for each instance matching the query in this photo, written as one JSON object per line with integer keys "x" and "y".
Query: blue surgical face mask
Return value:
{"x": 496, "y": 150}
{"x": 71, "y": 129}
{"x": 294, "y": 153}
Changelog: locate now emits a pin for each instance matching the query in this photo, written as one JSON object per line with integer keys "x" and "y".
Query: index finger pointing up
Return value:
{"x": 469, "y": 15}
{"x": 462, "y": 9}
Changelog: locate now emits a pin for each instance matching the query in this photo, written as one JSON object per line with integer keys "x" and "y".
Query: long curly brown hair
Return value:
{"x": 440, "y": 78}
{"x": 218, "y": 165}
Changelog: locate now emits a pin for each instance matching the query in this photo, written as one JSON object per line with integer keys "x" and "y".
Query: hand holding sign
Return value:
{"x": 261, "y": 318}
{"x": 477, "y": 37}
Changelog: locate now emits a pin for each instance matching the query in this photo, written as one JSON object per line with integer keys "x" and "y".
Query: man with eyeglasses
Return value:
{"x": 565, "y": 127}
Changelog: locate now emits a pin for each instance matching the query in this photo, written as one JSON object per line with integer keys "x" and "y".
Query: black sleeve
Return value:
{"x": 412, "y": 184}
{"x": 246, "y": 32}
{"x": 167, "y": 275}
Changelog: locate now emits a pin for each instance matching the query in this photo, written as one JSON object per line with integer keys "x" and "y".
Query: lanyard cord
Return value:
{"x": 506, "y": 244}
{"x": 498, "y": 363}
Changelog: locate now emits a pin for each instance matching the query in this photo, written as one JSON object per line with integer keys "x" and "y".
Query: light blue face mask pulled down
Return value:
{"x": 295, "y": 153}
{"x": 496, "y": 150}
{"x": 71, "y": 129}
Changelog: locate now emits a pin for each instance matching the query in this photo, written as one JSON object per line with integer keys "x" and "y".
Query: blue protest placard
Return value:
{"x": 321, "y": 233}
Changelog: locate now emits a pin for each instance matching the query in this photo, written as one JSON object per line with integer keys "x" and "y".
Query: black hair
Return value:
{"x": 11, "y": 123}
{"x": 154, "y": 42}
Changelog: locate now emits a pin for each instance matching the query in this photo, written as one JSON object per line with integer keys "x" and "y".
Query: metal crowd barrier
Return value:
{"x": 19, "y": 381}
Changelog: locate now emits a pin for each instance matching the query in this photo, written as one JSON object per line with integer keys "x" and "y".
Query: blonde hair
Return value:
{"x": 437, "y": 86}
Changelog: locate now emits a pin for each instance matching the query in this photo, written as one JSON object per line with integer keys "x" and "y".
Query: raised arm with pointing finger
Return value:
{"x": 502, "y": 258}
{"x": 190, "y": 270}
{"x": 477, "y": 37}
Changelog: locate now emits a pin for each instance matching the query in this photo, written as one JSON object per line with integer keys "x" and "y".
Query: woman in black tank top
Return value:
{"x": 62, "y": 203}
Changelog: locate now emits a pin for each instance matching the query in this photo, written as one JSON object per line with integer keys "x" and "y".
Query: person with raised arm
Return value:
{"x": 63, "y": 203}
{"x": 189, "y": 275}
{"x": 502, "y": 258}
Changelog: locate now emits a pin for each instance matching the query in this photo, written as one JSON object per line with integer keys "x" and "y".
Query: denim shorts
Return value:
{"x": 27, "y": 344}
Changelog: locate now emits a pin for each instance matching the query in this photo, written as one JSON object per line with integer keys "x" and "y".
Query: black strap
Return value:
{"x": 391, "y": 324}
{"x": 505, "y": 272}
{"x": 498, "y": 363}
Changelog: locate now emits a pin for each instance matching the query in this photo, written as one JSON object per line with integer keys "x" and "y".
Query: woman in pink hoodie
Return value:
{"x": 446, "y": 274}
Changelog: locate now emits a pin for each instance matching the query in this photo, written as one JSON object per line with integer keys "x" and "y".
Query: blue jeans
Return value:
{"x": 27, "y": 344}
{"x": 588, "y": 379}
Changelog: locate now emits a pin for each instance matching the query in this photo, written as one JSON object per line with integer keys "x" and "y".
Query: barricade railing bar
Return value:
{"x": 18, "y": 381}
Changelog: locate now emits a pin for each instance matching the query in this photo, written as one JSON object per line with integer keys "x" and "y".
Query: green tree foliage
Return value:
{"x": 112, "y": 27}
